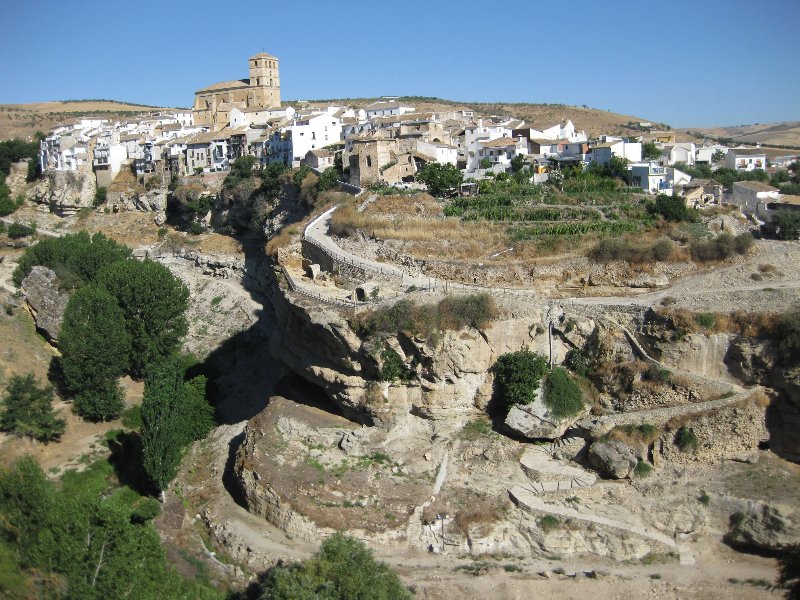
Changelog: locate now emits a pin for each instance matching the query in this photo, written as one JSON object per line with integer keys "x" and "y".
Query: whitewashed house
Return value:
{"x": 386, "y": 109}
{"x": 604, "y": 152}
{"x": 748, "y": 194}
{"x": 475, "y": 135}
{"x": 745, "y": 159}
{"x": 290, "y": 144}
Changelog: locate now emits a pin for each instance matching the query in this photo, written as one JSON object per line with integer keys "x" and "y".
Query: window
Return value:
{"x": 369, "y": 161}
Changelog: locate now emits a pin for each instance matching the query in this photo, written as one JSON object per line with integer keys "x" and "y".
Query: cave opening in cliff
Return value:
{"x": 302, "y": 391}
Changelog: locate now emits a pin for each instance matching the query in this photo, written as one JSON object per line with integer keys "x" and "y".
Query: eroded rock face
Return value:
{"x": 46, "y": 302}
{"x": 612, "y": 459}
{"x": 65, "y": 192}
{"x": 535, "y": 421}
{"x": 763, "y": 527}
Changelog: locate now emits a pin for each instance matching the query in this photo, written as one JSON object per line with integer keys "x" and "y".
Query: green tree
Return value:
{"x": 517, "y": 376}
{"x": 789, "y": 571}
{"x": 28, "y": 410}
{"x": 242, "y": 168}
{"x": 328, "y": 180}
{"x": 198, "y": 413}
{"x": 673, "y": 208}
{"x": 485, "y": 163}
{"x": 174, "y": 414}
{"x": 163, "y": 431}
{"x": 440, "y": 179}
{"x": 271, "y": 177}
{"x": 96, "y": 347}
{"x": 343, "y": 569}
{"x": 650, "y": 151}
{"x": 786, "y": 224}
{"x": 84, "y": 543}
{"x": 153, "y": 302}
{"x": 80, "y": 255}
{"x": 100, "y": 196}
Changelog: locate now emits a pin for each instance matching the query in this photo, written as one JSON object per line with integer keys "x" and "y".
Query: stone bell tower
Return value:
{"x": 265, "y": 83}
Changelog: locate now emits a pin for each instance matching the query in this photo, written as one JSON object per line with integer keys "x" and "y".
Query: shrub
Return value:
{"x": 7, "y": 205}
{"x": 723, "y": 246}
{"x": 673, "y": 208}
{"x": 196, "y": 228}
{"x": 27, "y": 410}
{"x": 642, "y": 469}
{"x": 548, "y": 522}
{"x": 578, "y": 361}
{"x": 785, "y": 223}
{"x": 788, "y": 332}
{"x": 704, "y": 498}
{"x": 609, "y": 249}
{"x": 705, "y": 320}
{"x": 132, "y": 418}
{"x": 517, "y": 376}
{"x": 393, "y": 367}
{"x": 562, "y": 395}
{"x": 343, "y": 569}
{"x": 424, "y": 320}
{"x": 685, "y": 439}
{"x": 789, "y": 571}
{"x": 17, "y": 230}
{"x": 100, "y": 196}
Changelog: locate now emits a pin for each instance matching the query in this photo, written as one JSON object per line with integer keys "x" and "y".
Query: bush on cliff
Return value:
{"x": 343, "y": 569}
{"x": 426, "y": 320}
{"x": 562, "y": 395}
{"x": 517, "y": 376}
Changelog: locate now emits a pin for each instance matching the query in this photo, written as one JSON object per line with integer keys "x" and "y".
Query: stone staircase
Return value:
{"x": 548, "y": 474}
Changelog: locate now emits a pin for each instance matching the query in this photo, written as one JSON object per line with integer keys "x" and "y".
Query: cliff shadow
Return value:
{"x": 242, "y": 371}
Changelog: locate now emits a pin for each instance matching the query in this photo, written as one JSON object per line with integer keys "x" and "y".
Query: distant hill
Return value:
{"x": 24, "y": 120}
{"x": 774, "y": 134}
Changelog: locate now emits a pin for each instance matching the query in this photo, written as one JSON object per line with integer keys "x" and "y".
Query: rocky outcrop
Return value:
{"x": 46, "y": 302}
{"x": 612, "y": 459}
{"x": 536, "y": 421}
{"x": 65, "y": 192}
{"x": 154, "y": 200}
{"x": 450, "y": 383}
{"x": 761, "y": 526}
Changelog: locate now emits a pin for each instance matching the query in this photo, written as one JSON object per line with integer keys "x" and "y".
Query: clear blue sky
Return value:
{"x": 686, "y": 63}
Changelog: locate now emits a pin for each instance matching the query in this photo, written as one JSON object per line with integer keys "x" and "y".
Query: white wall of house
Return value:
{"x": 311, "y": 133}
{"x": 474, "y": 135}
{"x": 442, "y": 153}
{"x": 748, "y": 199}
{"x": 745, "y": 162}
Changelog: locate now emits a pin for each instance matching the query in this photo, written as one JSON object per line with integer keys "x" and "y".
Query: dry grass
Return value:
{"x": 634, "y": 435}
{"x": 125, "y": 182}
{"x": 761, "y": 398}
{"x": 762, "y": 325}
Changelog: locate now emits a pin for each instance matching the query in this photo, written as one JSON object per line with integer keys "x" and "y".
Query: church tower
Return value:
{"x": 265, "y": 84}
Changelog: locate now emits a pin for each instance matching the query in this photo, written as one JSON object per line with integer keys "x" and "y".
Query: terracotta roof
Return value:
{"x": 755, "y": 186}
{"x": 225, "y": 85}
{"x": 263, "y": 55}
{"x": 321, "y": 153}
{"x": 499, "y": 143}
